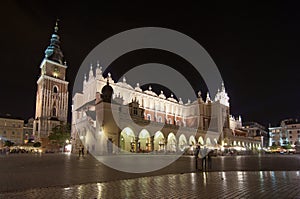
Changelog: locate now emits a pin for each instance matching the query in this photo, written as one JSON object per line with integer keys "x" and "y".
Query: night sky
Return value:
{"x": 255, "y": 46}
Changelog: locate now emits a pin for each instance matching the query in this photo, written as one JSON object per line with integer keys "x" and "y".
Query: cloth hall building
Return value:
{"x": 114, "y": 117}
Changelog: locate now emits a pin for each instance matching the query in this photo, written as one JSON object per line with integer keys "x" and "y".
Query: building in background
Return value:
{"x": 257, "y": 131}
{"x": 11, "y": 129}
{"x": 288, "y": 133}
{"x": 291, "y": 130}
{"x": 52, "y": 91}
{"x": 275, "y": 136}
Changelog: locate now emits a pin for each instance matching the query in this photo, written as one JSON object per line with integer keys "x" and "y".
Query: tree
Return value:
{"x": 60, "y": 134}
{"x": 8, "y": 143}
{"x": 37, "y": 144}
{"x": 274, "y": 146}
{"x": 288, "y": 146}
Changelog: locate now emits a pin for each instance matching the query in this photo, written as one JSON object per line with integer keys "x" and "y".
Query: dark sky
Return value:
{"x": 255, "y": 46}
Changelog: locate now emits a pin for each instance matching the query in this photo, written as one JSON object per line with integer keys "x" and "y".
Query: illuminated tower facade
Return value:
{"x": 52, "y": 91}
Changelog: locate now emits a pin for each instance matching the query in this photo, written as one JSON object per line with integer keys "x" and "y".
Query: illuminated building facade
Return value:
{"x": 103, "y": 112}
{"x": 287, "y": 133}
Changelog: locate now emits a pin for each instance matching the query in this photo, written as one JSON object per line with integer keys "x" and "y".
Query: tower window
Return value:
{"x": 55, "y": 90}
{"x": 55, "y": 73}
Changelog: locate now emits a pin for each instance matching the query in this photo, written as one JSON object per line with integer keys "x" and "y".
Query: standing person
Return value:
{"x": 82, "y": 151}
{"x": 196, "y": 154}
{"x": 79, "y": 150}
{"x": 209, "y": 155}
{"x": 203, "y": 155}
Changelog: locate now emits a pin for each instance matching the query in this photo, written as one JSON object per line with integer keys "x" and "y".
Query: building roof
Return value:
{"x": 90, "y": 103}
{"x": 9, "y": 116}
{"x": 291, "y": 121}
{"x": 53, "y": 51}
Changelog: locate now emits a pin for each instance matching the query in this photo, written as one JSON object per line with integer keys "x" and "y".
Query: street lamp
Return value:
{"x": 68, "y": 146}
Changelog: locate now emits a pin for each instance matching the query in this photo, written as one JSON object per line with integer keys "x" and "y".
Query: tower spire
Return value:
{"x": 56, "y": 26}
{"x": 53, "y": 51}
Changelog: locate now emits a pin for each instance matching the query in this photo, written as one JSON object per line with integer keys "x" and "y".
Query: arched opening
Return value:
{"x": 200, "y": 140}
{"x": 215, "y": 141}
{"x": 192, "y": 141}
{"x": 55, "y": 89}
{"x": 54, "y": 112}
{"x": 182, "y": 143}
{"x": 234, "y": 143}
{"x": 127, "y": 140}
{"x": 144, "y": 143}
{"x": 208, "y": 142}
{"x": 171, "y": 143}
{"x": 159, "y": 141}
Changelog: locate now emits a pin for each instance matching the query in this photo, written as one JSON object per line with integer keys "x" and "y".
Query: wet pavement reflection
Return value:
{"x": 62, "y": 176}
{"x": 246, "y": 184}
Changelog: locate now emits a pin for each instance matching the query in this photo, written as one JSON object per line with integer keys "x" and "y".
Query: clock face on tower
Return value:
{"x": 56, "y": 72}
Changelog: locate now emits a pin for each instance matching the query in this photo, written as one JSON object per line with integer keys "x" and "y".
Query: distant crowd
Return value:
{"x": 16, "y": 150}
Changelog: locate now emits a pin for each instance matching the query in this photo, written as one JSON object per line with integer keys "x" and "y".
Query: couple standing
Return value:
{"x": 205, "y": 157}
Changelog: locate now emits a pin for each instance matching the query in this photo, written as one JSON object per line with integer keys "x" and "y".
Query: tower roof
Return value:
{"x": 53, "y": 51}
{"x": 107, "y": 92}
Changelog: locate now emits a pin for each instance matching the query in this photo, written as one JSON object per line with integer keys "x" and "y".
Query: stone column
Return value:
{"x": 136, "y": 144}
{"x": 165, "y": 146}
{"x": 152, "y": 143}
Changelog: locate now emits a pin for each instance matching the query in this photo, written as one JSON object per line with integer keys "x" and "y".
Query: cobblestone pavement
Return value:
{"x": 249, "y": 184}
{"x": 67, "y": 176}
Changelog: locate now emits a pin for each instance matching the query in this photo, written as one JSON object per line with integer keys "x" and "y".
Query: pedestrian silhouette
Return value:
{"x": 82, "y": 151}
{"x": 204, "y": 158}
{"x": 196, "y": 154}
{"x": 209, "y": 160}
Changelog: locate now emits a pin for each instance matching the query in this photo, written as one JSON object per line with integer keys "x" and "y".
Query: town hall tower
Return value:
{"x": 52, "y": 90}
